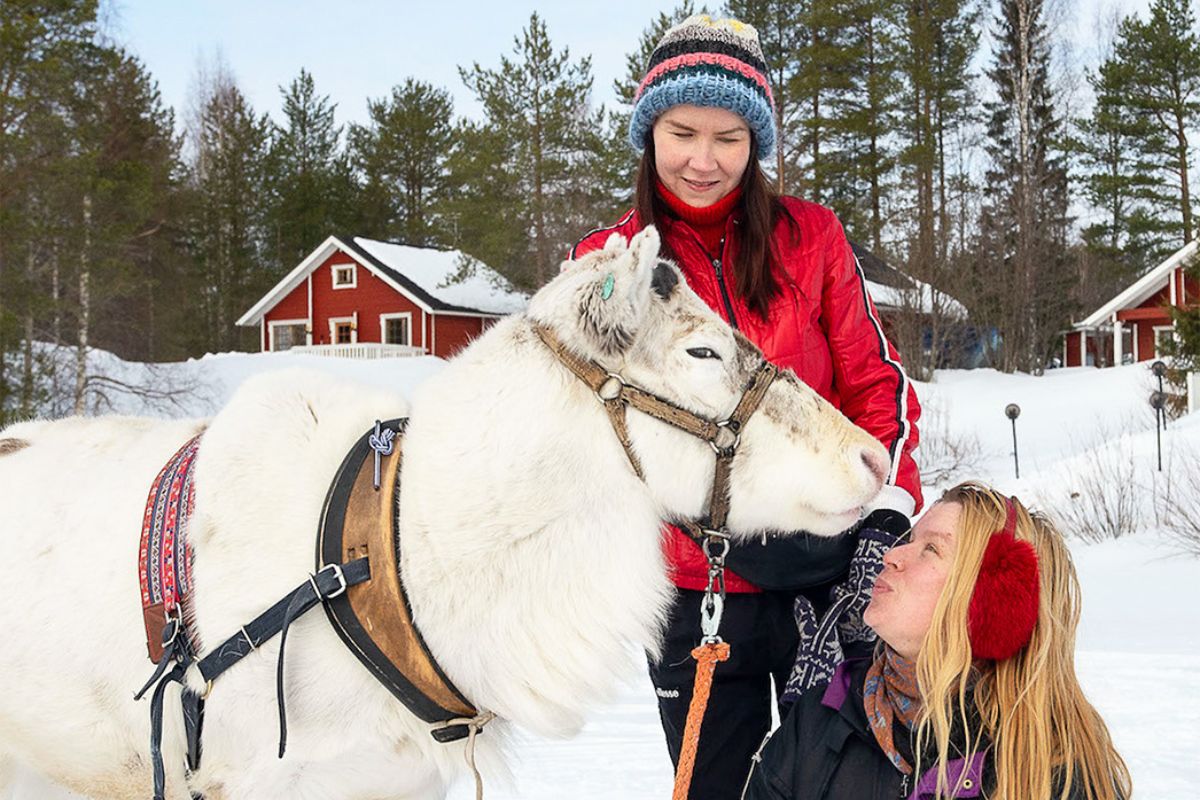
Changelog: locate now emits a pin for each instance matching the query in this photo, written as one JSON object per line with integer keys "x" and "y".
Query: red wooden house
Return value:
{"x": 359, "y": 297}
{"x": 1133, "y": 325}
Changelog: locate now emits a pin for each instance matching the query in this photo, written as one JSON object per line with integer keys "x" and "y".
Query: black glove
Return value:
{"x": 791, "y": 562}
{"x": 822, "y": 644}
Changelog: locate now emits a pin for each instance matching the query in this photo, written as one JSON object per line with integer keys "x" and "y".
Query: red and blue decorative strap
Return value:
{"x": 165, "y": 556}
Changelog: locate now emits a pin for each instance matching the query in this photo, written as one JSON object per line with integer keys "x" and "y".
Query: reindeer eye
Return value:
{"x": 703, "y": 352}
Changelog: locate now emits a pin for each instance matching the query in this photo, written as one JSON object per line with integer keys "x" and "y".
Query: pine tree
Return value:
{"x": 309, "y": 176}
{"x": 1158, "y": 64}
{"x": 864, "y": 118}
{"x": 481, "y": 187}
{"x": 922, "y": 108}
{"x": 782, "y": 36}
{"x": 402, "y": 157}
{"x": 939, "y": 38}
{"x": 818, "y": 75}
{"x": 1023, "y": 275}
{"x": 539, "y": 106}
{"x": 40, "y": 45}
{"x": 620, "y": 160}
{"x": 227, "y": 229}
{"x": 1129, "y": 236}
{"x": 134, "y": 171}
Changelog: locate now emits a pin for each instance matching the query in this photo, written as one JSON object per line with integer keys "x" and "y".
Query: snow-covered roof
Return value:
{"x": 893, "y": 290}
{"x": 422, "y": 274}
{"x": 918, "y": 297}
{"x": 482, "y": 289}
{"x": 1141, "y": 289}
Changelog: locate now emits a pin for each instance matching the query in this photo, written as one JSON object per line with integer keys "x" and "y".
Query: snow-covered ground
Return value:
{"x": 1139, "y": 643}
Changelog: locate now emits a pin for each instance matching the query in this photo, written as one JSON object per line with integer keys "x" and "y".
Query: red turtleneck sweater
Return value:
{"x": 707, "y": 222}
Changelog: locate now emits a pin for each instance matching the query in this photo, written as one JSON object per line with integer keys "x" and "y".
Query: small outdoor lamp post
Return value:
{"x": 1157, "y": 401}
{"x": 1012, "y": 411}
{"x": 1160, "y": 369}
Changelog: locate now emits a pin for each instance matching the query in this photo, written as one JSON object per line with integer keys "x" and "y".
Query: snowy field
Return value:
{"x": 1139, "y": 645}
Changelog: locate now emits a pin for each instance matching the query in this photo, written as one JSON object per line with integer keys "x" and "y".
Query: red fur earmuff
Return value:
{"x": 1004, "y": 604}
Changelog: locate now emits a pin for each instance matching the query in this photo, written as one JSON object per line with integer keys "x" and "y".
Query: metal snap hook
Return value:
{"x": 711, "y": 611}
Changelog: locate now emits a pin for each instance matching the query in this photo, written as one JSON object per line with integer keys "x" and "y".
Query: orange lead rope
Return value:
{"x": 710, "y": 650}
{"x": 707, "y": 655}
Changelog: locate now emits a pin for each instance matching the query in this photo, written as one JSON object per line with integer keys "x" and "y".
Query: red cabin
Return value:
{"x": 361, "y": 298}
{"x": 1133, "y": 325}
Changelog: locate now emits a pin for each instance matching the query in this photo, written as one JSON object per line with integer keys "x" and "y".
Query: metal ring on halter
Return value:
{"x": 611, "y": 388}
{"x": 725, "y": 429}
{"x": 723, "y": 539}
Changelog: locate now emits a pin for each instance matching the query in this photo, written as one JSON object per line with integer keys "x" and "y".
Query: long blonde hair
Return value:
{"x": 1042, "y": 732}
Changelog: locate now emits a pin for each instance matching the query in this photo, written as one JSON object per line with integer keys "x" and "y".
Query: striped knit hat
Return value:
{"x": 707, "y": 62}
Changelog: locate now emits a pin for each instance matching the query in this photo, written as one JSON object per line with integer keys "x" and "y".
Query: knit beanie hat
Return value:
{"x": 1004, "y": 602}
{"x": 707, "y": 62}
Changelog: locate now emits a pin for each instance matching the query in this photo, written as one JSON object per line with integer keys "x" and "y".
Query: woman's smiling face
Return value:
{"x": 700, "y": 153}
{"x": 907, "y": 591}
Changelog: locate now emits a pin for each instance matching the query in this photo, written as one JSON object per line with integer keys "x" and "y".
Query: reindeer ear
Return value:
{"x": 613, "y": 304}
{"x": 615, "y": 243}
{"x": 645, "y": 247}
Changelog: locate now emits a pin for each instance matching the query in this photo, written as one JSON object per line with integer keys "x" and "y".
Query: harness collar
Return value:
{"x": 374, "y": 618}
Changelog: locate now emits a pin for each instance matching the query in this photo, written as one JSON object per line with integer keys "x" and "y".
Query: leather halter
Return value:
{"x": 374, "y": 618}
{"x": 722, "y": 435}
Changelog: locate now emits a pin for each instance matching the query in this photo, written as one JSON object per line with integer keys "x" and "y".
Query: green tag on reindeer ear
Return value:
{"x": 609, "y": 282}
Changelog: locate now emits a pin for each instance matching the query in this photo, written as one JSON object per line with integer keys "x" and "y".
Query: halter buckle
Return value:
{"x": 612, "y": 387}
{"x": 341, "y": 577}
{"x": 172, "y": 628}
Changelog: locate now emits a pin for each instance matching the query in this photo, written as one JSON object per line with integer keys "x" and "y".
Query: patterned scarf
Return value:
{"x": 889, "y": 693}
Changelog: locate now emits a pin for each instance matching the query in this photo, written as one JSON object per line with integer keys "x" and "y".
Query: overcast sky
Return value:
{"x": 359, "y": 49}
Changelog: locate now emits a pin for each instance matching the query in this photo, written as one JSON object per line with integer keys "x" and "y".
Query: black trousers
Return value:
{"x": 762, "y": 636}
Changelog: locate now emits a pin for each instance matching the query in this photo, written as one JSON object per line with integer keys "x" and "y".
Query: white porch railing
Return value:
{"x": 1193, "y": 391}
{"x": 367, "y": 350}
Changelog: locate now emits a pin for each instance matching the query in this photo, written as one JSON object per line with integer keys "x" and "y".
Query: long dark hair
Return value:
{"x": 757, "y": 257}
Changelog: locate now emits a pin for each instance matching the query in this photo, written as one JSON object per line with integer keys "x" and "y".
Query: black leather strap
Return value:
{"x": 271, "y": 621}
{"x": 329, "y": 581}
{"x": 156, "y": 725}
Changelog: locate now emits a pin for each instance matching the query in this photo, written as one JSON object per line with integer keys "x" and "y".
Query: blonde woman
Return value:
{"x": 972, "y": 691}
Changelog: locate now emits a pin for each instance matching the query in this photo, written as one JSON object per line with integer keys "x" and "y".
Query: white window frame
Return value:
{"x": 1170, "y": 329}
{"x": 287, "y": 323}
{"x": 333, "y": 271}
{"x": 335, "y": 321}
{"x": 383, "y": 319}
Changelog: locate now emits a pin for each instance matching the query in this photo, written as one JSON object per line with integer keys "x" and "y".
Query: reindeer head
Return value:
{"x": 799, "y": 465}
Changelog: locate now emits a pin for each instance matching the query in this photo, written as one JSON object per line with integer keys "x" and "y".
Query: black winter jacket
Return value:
{"x": 824, "y": 750}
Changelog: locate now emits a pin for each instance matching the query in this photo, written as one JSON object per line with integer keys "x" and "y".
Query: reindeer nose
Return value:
{"x": 876, "y": 463}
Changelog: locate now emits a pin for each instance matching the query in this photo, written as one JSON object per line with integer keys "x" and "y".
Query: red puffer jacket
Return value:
{"x": 822, "y": 325}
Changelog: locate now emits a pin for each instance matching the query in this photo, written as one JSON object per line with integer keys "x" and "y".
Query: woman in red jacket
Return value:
{"x": 780, "y": 270}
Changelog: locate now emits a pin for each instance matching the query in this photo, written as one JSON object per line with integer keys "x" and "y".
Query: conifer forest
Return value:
{"x": 948, "y": 135}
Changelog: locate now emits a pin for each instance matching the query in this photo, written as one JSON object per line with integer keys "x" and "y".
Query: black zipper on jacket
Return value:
{"x": 716, "y": 262}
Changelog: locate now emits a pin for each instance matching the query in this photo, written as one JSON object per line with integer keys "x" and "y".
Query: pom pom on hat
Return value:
{"x": 1004, "y": 603}
{"x": 706, "y": 62}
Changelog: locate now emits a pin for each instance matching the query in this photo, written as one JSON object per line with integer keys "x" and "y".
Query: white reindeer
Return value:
{"x": 531, "y": 548}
